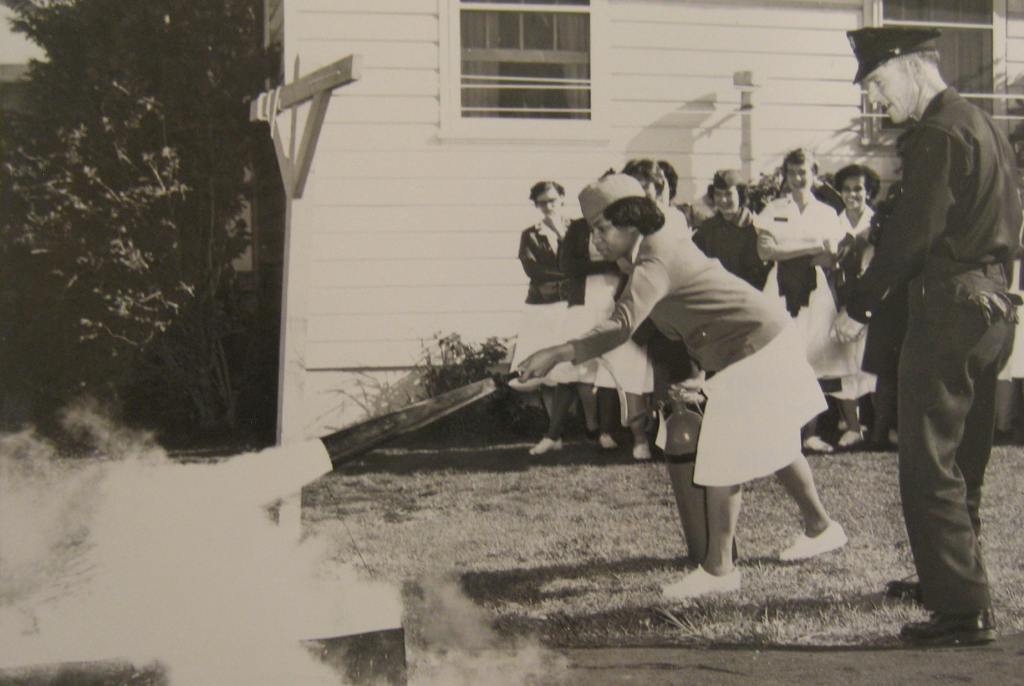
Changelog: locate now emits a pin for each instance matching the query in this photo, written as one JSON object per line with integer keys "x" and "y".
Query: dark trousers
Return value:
{"x": 949, "y": 362}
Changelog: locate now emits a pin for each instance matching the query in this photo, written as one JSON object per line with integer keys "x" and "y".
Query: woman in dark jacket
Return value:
{"x": 544, "y": 315}
{"x": 729, "y": 236}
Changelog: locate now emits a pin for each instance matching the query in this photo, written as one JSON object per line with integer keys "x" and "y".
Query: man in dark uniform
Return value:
{"x": 955, "y": 232}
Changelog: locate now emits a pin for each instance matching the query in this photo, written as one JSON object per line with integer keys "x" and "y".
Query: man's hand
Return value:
{"x": 541, "y": 362}
{"x": 827, "y": 257}
{"x": 846, "y": 329}
{"x": 825, "y": 260}
{"x": 624, "y": 265}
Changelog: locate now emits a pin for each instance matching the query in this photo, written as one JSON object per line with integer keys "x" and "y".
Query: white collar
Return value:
{"x": 863, "y": 224}
{"x": 636, "y": 248}
{"x": 544, "y": 229}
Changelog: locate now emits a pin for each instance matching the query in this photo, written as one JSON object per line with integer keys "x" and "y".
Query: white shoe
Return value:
{"x": 815, "y": 444}
{"x": 699, "y": 582}
{"x": 850, "y": 438}
{"x": 805, "y": 547}
{"x": 607, "y": 442}
{"x": 546, "y": 445}
{"x": 641, "y": 452}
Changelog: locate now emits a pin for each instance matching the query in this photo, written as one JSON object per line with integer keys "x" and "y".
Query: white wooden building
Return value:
{"x": 418, "y": 191}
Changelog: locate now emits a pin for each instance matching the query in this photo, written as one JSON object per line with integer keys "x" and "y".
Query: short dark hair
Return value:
{"x": 741, "y": 191}
{"x": 541, "y": 186}
{"x": 647, "y": 170}
{"x": 725, "y": 179}
{"x": 670, "y": 175}
{"x": 872, "y": 183}
{"x": 798, "y": 156}
{"x": 634, "y": 211}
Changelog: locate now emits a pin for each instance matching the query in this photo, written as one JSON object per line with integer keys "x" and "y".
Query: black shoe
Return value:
{"x": 942, "y": 629}
{"x": 904, "y": 589}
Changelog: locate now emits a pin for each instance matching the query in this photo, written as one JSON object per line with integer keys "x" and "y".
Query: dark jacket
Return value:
{"x": 735, "y": 246}
{"x": 574, "y": 260}
{"x": 959, "y": 210}
{"x": 540, "y": 262}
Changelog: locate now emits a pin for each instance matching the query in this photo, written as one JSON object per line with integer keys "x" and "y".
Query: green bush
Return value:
{"x": 458, "y": 363}
{"x": 452, "y": 362}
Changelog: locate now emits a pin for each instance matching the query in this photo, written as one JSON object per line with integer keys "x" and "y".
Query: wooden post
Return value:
{"x": 316, "y": 87}
{"x": 295, "y": 164}
{"x": 747, "y": 86}
{"x": 295, "y": 160}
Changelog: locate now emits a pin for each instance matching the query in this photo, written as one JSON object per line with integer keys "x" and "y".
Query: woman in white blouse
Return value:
{"x": 800, "y": 234}
{"x": 858, "y": 185}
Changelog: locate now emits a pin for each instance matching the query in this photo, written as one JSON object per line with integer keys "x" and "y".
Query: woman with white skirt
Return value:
{"x": 749, "y": 429}
{"x": 800, "y": 235}
{"x": 543, "y": 318}
{"x": 858, "y": 185}
{"x": 594, "y": 284}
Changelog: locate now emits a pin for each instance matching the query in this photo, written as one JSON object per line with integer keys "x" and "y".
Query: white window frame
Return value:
{"x": 872, "y": 132}
{"x": 453, "y": 126}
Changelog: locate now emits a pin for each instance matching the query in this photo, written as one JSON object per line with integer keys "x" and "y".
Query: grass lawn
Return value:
{"x": 572, "y": 547}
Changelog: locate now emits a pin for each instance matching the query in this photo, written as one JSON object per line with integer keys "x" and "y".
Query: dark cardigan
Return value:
{"x": 540, "y": 262}
{"x": 575, "y": 262}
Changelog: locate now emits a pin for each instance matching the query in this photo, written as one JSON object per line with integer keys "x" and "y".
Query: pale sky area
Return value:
{"x": 14, "y": 47}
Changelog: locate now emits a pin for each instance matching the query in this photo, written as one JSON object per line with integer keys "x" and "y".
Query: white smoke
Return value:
{"x": 128, "y": 555}
{"x": 454, "y": 644}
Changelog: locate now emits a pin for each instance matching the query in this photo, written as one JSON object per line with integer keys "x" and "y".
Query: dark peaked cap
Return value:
{"x": 874, "y": 45}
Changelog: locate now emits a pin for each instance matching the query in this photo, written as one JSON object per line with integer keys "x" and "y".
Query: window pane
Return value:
{"x": 966, "y": 59}
{"x": 573, "y": 31}
{"x": 943, "y": 11}
{"x": 476, "y": 29}
{"x": 515, "y": 97}
{"x": 509, "y": 30}
{"x": 523, "y": 89}
{"x": 539, "y": 31}
{"x": 525, "y": 64}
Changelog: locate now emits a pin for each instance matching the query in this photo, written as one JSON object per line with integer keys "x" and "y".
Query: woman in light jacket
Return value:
{"x": 731, "y": 329}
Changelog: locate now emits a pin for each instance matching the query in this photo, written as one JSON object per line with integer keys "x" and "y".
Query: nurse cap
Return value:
{"x": 602, "y": 193}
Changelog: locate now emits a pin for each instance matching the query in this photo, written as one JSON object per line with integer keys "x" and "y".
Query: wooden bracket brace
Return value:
{"x": 317, "y": 87}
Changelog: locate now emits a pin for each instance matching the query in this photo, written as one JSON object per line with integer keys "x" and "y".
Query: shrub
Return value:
{"x": 458, "y": 363}
{"x": 452, "y": 362}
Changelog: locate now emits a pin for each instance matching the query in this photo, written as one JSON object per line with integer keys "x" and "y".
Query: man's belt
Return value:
{"x": 942, "y": 267}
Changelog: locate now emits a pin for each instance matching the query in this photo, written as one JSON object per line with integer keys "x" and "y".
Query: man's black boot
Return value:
{"x": 943, "y": 629}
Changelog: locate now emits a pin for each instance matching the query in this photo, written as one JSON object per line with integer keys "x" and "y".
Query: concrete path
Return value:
{"x": 998, "y": 664}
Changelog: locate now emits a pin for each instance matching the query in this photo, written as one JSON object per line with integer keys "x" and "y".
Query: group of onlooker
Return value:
{"x": 803, "y": 247}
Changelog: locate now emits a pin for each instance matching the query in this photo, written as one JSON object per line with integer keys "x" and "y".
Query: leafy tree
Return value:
{"x": 123, "y": 195}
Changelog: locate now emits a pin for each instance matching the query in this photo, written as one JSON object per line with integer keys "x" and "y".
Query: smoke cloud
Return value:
{"x": 129, "y": 555}
{"x": 454, "y": 644}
